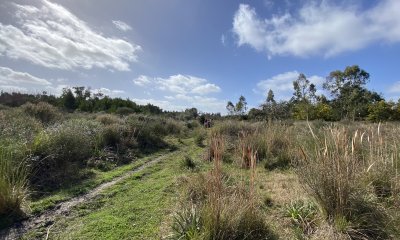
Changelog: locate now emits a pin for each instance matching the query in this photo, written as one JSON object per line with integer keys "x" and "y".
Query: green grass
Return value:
{"x": 97, "y": 177}
{"x": 136, "y": 208}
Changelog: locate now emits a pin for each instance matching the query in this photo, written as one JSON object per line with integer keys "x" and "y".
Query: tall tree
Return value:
{"x": 351, "y": 98}
{"x": 301, "y": 87}
{"x": 230, "y": 107}
{"x": 241, "y": 105}
{"x": 303, "y": 92}
{"x": 68, "y": 99}
{"x": 270, "y": 97}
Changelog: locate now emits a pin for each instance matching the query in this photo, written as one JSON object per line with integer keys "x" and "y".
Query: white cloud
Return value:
{"x": 184, "y": 91}
{"x": 282, "y": 84}
{"x": 179, "y": 84}
{"x": 109, "y": 92}
{"x": 10, "y": 77}
{"x": 188, "y": 84}
{"x": 122, "y": 25}
{"x": 223, "y": 40}
{"x": 395, "y": 88}
{"x": 318, "y": 29}
{"x": 142, "y": 80}
{"x": 164, "y": 105}
{"x": 206, "y": 88}
{"x": 11, "y": 88}
{"x": 182, "y": 102}
{"x": 56, "y": 89}
{"x": 53, "y": 37}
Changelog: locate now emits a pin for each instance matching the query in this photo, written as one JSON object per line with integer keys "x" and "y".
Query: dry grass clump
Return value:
{"x": 232, "y": 128}
{"x": 334, "y": 165}
{"x": 219, "y": 210}
{"x": 272, "y": 142}
{"x": 216, "y": 147}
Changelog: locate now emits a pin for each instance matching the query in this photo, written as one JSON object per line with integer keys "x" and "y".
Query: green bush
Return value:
{"x": 149, "y": 130}
{"x": 42, "y": 111}
{"x": 108, "y": 119}
{"x": 124, "y": 111}
{"x": 16, "y": 126}
{"x": 111, "y": 136}
{"x": 62, "y": 149}
{"x": 200, "y": 137}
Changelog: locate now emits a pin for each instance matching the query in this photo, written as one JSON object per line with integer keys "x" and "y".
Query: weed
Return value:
{"x": 303, "y": 215}
{"x": 187, "y": 224}
{"x": 188, "y": 162}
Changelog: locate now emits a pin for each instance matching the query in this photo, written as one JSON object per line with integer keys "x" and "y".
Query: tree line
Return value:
{"x": 348, "y": 99}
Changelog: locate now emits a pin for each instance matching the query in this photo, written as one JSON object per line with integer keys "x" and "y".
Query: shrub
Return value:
{"x": 150, "y": 130}
{"x": 192, "y": 124}
{"x": 111, "y": 136}
{"x": 61, "y": 150}
{"x": 108, "y": 119}
{"x": 13, "y": 186}
{"x": 16, "y": 126}
{"x": 42, "y": 111}
{"x": 199, "y": 137}
{"x": 124, "y": 111}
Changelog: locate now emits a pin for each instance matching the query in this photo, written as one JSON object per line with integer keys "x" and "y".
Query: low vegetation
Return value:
{"x": 246, "y": 176}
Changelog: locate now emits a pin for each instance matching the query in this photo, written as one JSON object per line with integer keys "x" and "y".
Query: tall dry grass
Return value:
{"x": 218, "y": 208}
{"x": 348, "y": 170}
{"x": 271, "y": 141}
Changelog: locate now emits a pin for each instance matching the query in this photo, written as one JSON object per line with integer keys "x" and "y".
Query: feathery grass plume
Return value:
{"x": 333, "y": 167}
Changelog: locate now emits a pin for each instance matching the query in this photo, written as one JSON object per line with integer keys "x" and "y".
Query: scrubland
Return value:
{"x": 236, "y": 180}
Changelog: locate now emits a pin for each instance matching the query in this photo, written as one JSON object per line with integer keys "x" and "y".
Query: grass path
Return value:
{"x": 134, "y": 205}
{"x": 47, "y": 218}
{"x": 137, "y": 207}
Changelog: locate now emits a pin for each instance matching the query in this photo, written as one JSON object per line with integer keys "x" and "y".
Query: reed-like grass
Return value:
{"x": 224, "y": 211}
{"x": 347, "y": 170}
{"x": 13, "y": 187}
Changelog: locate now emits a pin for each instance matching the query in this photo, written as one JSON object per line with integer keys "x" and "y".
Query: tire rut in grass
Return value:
{"x": 46, "y": 219}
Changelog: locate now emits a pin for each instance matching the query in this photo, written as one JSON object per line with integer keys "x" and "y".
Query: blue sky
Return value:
{"x": 199, "y": 53}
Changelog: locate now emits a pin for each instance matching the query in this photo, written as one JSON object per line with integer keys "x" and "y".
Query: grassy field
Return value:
{"x": 236, "y": 180}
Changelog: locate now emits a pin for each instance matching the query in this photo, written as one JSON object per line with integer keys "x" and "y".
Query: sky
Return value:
{"x": 179, "y": 54}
